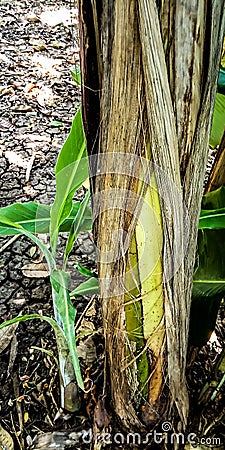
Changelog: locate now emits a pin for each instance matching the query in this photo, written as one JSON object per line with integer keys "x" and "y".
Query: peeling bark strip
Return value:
{"x": 149, "y": 82}
{"x": 120, "y": 132}
{"x": 164, "y": 146}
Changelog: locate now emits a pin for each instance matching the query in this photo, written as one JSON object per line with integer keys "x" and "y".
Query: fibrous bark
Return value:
{"x": 149, "y": 82}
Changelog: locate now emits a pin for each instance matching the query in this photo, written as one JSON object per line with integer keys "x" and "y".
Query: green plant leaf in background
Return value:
{"x": 209, "y": 277}
{"x": 55, "y": 123}
{"x": 221, "y": 81}
{"x": 84, "y": 271}
{"x": 212, "y": 219}
{"x": 35, "y": 218}
{"x": 67, "y": 314}
{"x": 88, "y": 287}
{"x": 212, "y": 214}
{"x": 208, "y": 285}
{"x": 215, "y": 199}
{"x": 85, "y": 225}
{"x": 66, "y": 370}
{"x": 76, "y": 226}
{"x": 218, "y": 123}
{"x": 71, "y": 171}
{"x": 76, "y": 75}
{"x": 30, "y": 216}
{"x": 7, "y": 222}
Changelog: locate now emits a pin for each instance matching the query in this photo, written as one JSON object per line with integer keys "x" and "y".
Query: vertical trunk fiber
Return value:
{"x": 149, "y": 82}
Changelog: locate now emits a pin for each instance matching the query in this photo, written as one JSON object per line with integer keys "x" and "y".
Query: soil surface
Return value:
{"x": 38, "y": 99}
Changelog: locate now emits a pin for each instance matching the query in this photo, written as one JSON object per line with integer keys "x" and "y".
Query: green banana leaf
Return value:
{"x": 221, "y": 81}
{"x": 76, "y": 226}
{"x": 214, "y": 199}
{"x": 209, "y": 277}
{"x": 86, "y": 272}
{"x": 76, "y": 75}
{"x": 71, "y": 171}
{"x": 67, "y": 313}
{"x": 212, "y": 219}
{"x": 88, "y": 287}
{"x": 64, "y": 311}
{"x": 35, "y": 218}
{"x": 218, "y": 123}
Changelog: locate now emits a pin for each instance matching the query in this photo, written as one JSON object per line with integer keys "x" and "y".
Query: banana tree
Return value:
{"x": 149, "y": 74}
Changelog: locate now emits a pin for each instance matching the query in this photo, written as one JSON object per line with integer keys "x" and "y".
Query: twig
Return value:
{"x": 29, "y": 167}
{"x": 15, "y": 432}
{"x": 84, "y": 312}
{"x": 7, "y": 244}
{"x": 12, "y": 355}
{"x": 18, "y": 404}
{"x": 214, "y": 422}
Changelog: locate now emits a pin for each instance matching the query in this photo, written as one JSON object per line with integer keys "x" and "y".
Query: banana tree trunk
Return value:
{"x": 148, "y": 87}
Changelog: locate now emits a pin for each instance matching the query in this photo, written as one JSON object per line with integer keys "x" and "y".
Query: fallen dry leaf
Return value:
{"x": 29, "y": 87}
{"x": 31, "y": 17}
{"x": 38, "y": 44}
{"x": 87, "y": 350}
{"x": 6, "y": 334}
{"x": 21, "y": 108}
{"x": 91, "y": 312}
{"x": 13, "y": 354}
{"x": 33, "y": 250}
{"x": 86, "y": 326}
{"x": 39, "y": 270}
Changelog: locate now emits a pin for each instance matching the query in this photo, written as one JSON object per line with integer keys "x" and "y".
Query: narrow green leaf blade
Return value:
{"x": 47, "y": 254}
{"x": 35, "y": 218}
{"x": 221, "y": 81}
{"x": 76, "y": 226}
{"x": 49, "y": 258}
{"x": 71, "y": 172}
{"x": 88, "y": 287}
{"x": 31, "y": 216}
{"x": 208, "y": 288}
{"x": 5, "y": 221}
{"x": 67, "y": 314}
{"x": 218, "y": 123}
{"x": 76, "y": 75}
{"x": 212, "y": 219}
{"x": 84, "y": 271}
